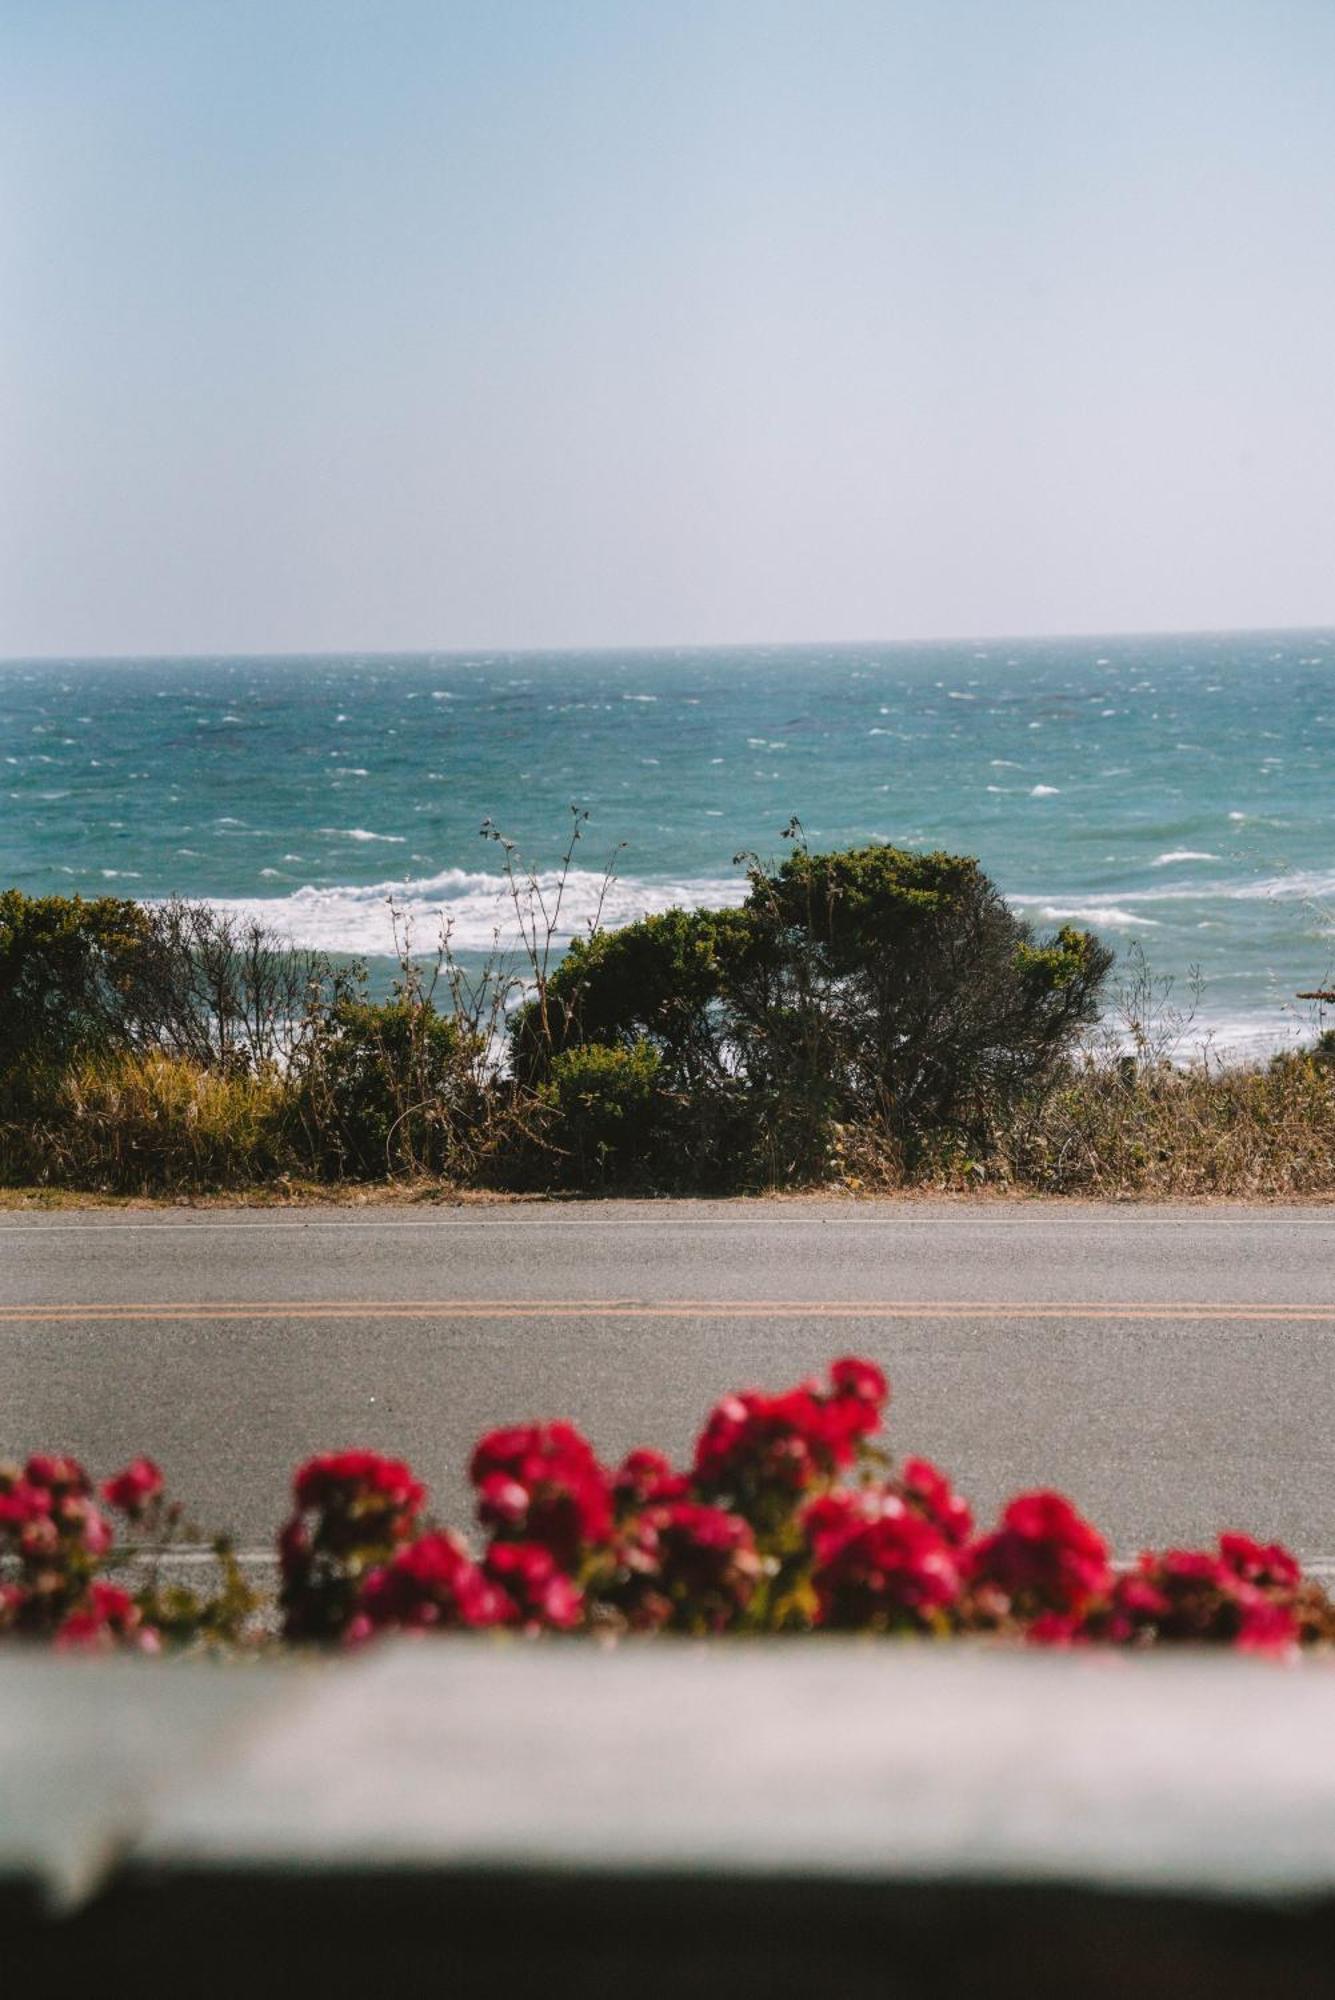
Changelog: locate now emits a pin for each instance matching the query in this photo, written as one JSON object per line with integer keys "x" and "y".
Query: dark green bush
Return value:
{"x": 873, "y": 985}
{"x": 606, "y": 1114}
{"x": 82, "y": 978}
{"x": 386, "y": 1087}
{"x": 947, "y": 1007}
{"x": 658, "y": 980}
{"x": 71, "y": 976}
{"x": 878, "y": 992}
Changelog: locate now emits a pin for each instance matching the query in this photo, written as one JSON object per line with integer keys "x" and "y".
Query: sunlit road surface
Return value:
{"x": 1170, "y": 1368}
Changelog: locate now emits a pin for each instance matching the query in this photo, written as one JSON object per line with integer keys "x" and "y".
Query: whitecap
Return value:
{"x": 1045, "y": 791}
{"x": 477, "y": 906}
{"x": 1108, "y": 916}
{"x": 360, "y": 833}
{"x": 1182, "y": 854}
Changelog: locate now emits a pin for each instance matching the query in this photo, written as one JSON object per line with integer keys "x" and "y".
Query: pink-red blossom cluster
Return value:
{"x": 788, "y": 1518}
{"x": 760, "y": 1453}
{"x": 543, "y": 1483}
{"x": 54, "y": 1540}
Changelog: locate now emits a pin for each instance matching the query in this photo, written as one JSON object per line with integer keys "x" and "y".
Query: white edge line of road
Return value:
{"x": 715, "y": 1222}
{"x": 189, "y": 1558}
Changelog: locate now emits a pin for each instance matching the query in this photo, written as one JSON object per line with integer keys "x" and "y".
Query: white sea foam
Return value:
{"x": 476, "y": 906}
{"x": 360, "y": 833}
{"x": 1232, "y": 1038}
{"x": 1182, "y": 854}
{"x": 1299, "y": 887}
{"x": 1045, "y": 791}
{"x": 1103, "y": 916}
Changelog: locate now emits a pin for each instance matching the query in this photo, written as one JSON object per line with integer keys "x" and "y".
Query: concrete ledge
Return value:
{"x": 812, "y": 1817}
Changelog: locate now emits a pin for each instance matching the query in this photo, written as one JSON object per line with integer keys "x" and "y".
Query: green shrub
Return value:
{"x": 873, "y": 986}
{"x": 70, "y": 974}
{"x": 659, "y": 979}
{"x": 605, "y": 1111}
{"x": 89, "y": 978}
{"x": 947, "y": 1009}
{"x": 387, "y": 1087}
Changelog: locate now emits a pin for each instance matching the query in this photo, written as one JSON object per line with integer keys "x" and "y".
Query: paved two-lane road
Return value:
{"x": 1171, "y": 1368}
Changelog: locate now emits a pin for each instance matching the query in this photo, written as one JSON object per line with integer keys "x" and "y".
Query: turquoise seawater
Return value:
{"x": 1173, "y": 793}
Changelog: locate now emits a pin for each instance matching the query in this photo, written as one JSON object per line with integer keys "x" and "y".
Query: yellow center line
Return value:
{"x": 604, "y": 1308}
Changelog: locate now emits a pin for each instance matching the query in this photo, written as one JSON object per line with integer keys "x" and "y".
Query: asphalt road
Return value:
{"x": 1170, "y": 1368}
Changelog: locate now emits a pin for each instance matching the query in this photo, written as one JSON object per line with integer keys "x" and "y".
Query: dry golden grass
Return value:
{"x": 1198, "y": 1131}
{"x": 135, "y": 1124}
{"x": 158, "y": 1125}
{"x": 1149, "y": 1130}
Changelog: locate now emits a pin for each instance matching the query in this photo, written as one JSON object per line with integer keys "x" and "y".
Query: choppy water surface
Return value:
{"x": 1175, "y": 792}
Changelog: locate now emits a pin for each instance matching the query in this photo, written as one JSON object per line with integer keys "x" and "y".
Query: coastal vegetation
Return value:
{"x": 789, "y": 1518}
{"x": 875, "y": 1018}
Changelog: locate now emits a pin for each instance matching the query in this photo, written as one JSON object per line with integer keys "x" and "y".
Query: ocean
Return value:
{"x": 1171, "y": 793}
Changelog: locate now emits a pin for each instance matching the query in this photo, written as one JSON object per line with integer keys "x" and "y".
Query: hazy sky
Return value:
{"x": 431, "y": 323}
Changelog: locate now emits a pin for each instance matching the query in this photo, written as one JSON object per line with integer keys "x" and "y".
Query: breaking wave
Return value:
{"x": 477, "y": 907}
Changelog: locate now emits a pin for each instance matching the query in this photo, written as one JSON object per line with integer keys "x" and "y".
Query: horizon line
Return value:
{"x": 668, "y": 646}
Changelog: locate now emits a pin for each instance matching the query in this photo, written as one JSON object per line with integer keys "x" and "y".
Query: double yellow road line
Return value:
{"x": 94, "y": 1312}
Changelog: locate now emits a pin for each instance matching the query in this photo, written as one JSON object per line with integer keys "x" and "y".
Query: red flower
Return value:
{"x": 645, "y": 1476}
{"x": 864, "y": 1382}
{"x": 1266, "y": 1628}
{"x": 1045, "y": 1556}
{"x": 1189, "y": 1595}
{"x": 344, "y": 1478}
{"x": 890, "y": 1572}
{"x": 1271, "y": 1566}
{"x": 21, "y": 1502}
{"x": 929, "y": 1493}
{"x": 540, "y": 1593}
{"x": 59, "y": 1475}
{"x": 836, "y": 1517}
{"x": 131, "y": 1489}
{"x": 432, "y": 1585}
{"x": 354, "y": 1508}
{"x": 543, "y": 1483}
{"x": 688, "y": 1566}
{"x": 108, "y": 1618}
{"x": 764, "y": 1451}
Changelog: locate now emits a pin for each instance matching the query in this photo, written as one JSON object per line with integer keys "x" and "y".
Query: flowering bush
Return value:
{"x": 789, "y": 1518}
{"x": 353, "y": 1510}
{"x": 542, "y": 1483}
{"x": 55, "y": 1541}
